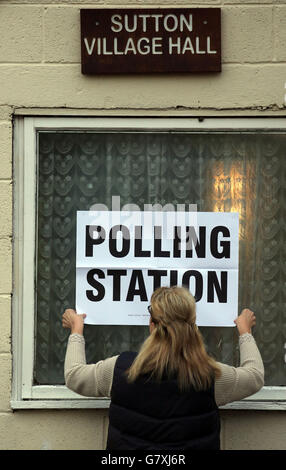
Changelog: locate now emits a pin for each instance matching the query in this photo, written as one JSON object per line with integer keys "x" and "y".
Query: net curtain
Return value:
{"x": 240, "y": 172}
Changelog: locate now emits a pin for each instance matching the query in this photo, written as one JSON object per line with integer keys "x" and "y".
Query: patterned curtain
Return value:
{"x": 242, "y": 172}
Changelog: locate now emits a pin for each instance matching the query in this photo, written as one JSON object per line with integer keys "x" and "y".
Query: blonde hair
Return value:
{"x": 175, "y": 346}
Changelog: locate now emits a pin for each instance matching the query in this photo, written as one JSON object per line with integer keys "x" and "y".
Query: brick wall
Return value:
{"x": 40, "y": 68}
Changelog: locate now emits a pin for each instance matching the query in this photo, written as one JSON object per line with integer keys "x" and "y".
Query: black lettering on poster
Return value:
{"x": 90, "y": 241}
{"x": 219, "y": 287}
{"x": 225, "y": 252}
{"x": 137, "y": 277}
{"x": 113, "y": 241}
{"x": 95, "y": 284}
{"x": 199, "y": 283}
{"x": 116, "y": 273}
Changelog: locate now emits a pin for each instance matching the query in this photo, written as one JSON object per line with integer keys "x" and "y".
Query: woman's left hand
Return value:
{"x": 74, "y": 321}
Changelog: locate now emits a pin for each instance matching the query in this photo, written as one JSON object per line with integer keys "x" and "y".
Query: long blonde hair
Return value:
{"x": 175, "y": 346}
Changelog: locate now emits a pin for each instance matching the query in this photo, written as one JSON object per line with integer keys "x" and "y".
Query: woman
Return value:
{"x": 166, "y": 397}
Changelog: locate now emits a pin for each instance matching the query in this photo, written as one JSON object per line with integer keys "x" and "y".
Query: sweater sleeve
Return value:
{"x": 236, "y": 383}
{"x": 95, "y": 380}
{"x": 90, "y": 380}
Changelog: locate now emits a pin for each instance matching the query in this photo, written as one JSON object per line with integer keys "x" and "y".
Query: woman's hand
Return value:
{"x": 245, "y": 321}
{"x": 73, "y": 321}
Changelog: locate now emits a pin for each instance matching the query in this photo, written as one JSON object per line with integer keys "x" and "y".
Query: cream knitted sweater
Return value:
{"x": 95, "y": 380}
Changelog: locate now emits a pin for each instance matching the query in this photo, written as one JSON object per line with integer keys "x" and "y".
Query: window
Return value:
{"x": 67, "y": 164}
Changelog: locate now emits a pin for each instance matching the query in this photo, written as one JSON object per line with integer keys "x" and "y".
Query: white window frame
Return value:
{"x": 24, "y": 393}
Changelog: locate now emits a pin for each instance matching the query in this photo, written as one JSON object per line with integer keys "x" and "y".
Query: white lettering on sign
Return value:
{"x": 154, "y": 22}
{"x": 199, "y": 46}
{"x": 155, "y": 40}
{"x": 144, "y": 45}
{"x": 89, "y": 47}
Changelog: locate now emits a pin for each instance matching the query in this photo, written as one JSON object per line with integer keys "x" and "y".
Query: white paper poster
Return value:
{"x": 122, "y": 257}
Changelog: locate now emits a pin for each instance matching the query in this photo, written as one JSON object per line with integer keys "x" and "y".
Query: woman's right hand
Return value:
{"x": 245, "y": 321}
{"x": 74, "y": 321}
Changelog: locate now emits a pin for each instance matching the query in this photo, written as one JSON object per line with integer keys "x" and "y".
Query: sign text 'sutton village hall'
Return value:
{"x": 150, "y": 40}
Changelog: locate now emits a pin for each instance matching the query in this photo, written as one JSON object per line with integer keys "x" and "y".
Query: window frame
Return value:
{"x": 24, "y": 393}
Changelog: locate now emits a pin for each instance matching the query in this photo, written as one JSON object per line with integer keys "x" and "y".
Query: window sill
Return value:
{"x": 59, "y": 397}
{"x": 83, "y": 403}
{"x": 103, "y": 403}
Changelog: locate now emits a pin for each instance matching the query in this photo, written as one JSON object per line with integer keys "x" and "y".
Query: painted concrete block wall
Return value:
{"x": 40, "y": 72}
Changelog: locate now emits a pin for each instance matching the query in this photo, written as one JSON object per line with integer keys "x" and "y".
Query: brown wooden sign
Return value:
{"x": 150, "y": 40}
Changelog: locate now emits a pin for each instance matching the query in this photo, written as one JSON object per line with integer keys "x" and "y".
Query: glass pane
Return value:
{"x": 216, "y": 171}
